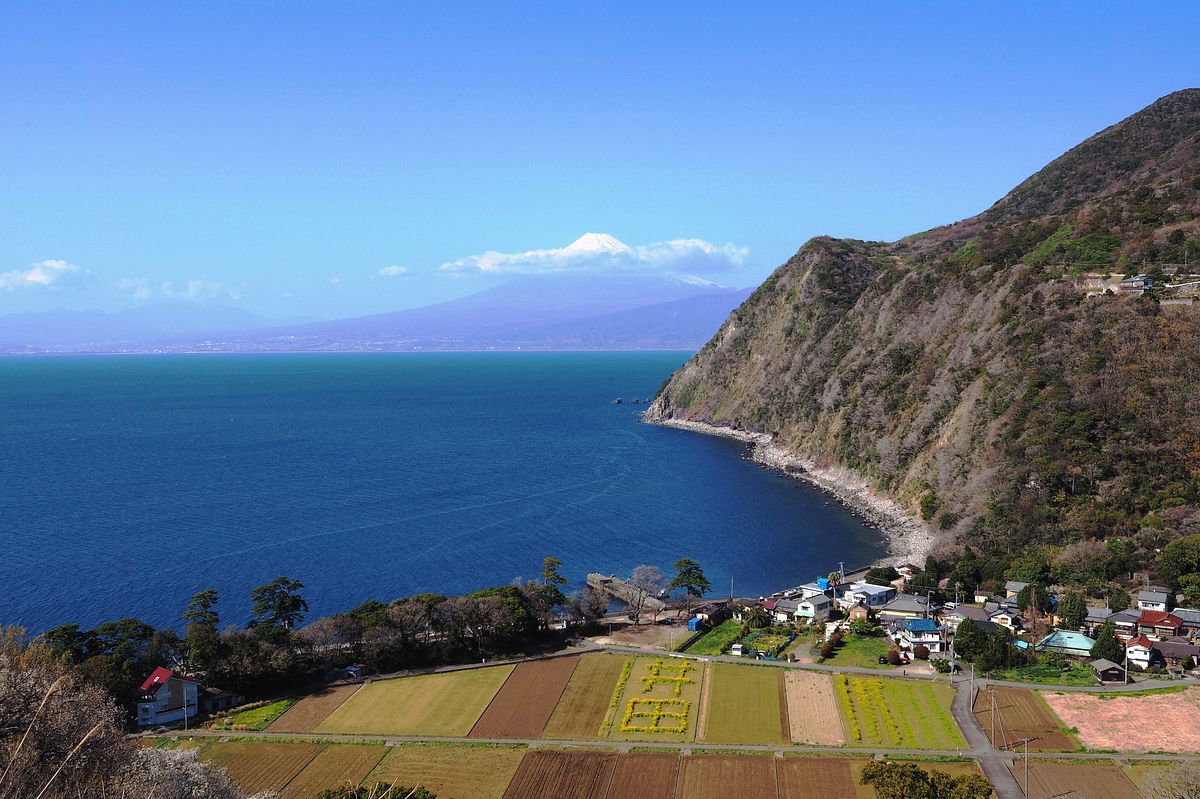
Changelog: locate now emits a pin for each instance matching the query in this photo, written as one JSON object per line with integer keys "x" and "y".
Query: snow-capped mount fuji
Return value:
{"x": 596, "y": 243}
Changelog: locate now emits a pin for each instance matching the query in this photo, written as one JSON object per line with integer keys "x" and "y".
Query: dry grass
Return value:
{"x": 258, "y": 767}
{"x": 1159, "y": 722}
{"x": 451, "y": 772}
{"x": 813, "y": 713}
{"x": 583, "y": 704}
{"x": 743, "y": 705}
{"x": 335, "y": 766}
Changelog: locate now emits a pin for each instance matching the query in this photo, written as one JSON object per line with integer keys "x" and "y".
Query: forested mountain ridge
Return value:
{"x": 964, "y": 372}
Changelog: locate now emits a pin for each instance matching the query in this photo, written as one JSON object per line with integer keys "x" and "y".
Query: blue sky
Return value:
{"x": 278, "y": 156}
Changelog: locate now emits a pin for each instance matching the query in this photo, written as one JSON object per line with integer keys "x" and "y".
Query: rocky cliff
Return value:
{"x": 964, "y": 371}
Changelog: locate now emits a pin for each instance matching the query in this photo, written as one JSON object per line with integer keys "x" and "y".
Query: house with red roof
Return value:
{"x": 1159, "y": 624}
{"x": 167, "y": 697}
{"x": 1140, "y": 651}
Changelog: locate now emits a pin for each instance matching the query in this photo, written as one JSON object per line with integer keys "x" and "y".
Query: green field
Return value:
{"x": 862, "y": 651}
{"x": 431, "y": 704}
{"x": 742, "y": 705}
{"x": 1046, "y": 673}
{"x": 716, "y": 640}
{"x": 660, "y": 701}
{"x": 902, "y": 713}
{"x": 256, "y": 719}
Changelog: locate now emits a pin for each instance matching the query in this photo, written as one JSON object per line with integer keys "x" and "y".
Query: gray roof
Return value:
{"x": 968, "y": 612}
{"x": 906, "y": 603}
{"x": 1152, "y": 596}
{"x": 1188, "y": 615}
{"x": 1177, "y": 650}
{"x": 1130, "y": 616}
{"x": 787, "y": 606}
{"x": 1098, "y": 614}
{"x": 988, "y": 626}
{"x": 1014, "y": 585}
{"x": 1104, "y": 664}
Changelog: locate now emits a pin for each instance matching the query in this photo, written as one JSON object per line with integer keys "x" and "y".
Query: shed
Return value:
{"x": 1107, "y": 671}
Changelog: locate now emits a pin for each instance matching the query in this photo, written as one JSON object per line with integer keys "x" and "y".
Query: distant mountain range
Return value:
{"x": 544, "y": 312}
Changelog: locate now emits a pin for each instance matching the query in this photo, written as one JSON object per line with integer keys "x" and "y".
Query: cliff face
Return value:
{"x": 964, "y": 372}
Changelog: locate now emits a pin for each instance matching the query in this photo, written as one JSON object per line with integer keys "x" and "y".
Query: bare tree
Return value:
{"x": 649, "y": 582}
{"x": 1180, "y": 781}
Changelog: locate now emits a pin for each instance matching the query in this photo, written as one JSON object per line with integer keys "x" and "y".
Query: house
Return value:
{"x": 1066, "y": 642}
{"x": 1158, "y": 624}
{"x": 1138, "y": 284}
{"x": 905, "y": 606}
{"x": 814, "y": 608}
{"x": 859, "y": 612}
{"x": 964, "y": 612}
{"x": 740, "y": 606}
{"x": 1107, "y": 671}
{"x": 1153, "y": 600}
{"x": 785, "y": 610}
{"x": 711, "y": 612}
{"x": 1178, "y": 653}
{"x": 980, "y": 598}
{"x": 920, "y": 632}
{"x": 1006, "y": 618}
{"x": 872, "y": 596}
{"x": 1126, "y": 622}
{"x": 1189, "y": 618}
{"x": 215, "y": 700}
{"x": 1013, "y": 587}
{"x": 166, "y": 697}
{"x": 820, "y": 586}
{"x": 1140, "y": 651}
{"x": 1095, "y": 620}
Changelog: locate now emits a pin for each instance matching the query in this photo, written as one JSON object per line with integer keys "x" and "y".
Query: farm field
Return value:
{"x": 660, "y": 701}
{"x": 716, "y": 640}
{"x": 1132, "y": 723}
{"x": 902, "y": 713}
{"x": 798, "y": 776}
{"x": 312, "y": 710}
{"x": 525, "y": 701}
{"x": 1020, "y": 714}
{"x": 1049, "y": 779}
{"x": 862, "y": 651}
{"x": 547, "y": 774}
{"x": 723, "y": 776}
{"x": 644, "y": 775}
{"x": 742, "y": 705}
{"x": 258, "y": 767}
{"x": 334, "y": 766}
{"x": 451, "y": 772}
{"x": 445, "y": 704}
{"x": 256, "y": 719}
{"x": 813, "y": 715}
{"x": 581, "y": 709}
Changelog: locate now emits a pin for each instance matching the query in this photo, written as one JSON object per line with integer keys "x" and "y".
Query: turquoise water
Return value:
{"x": 129, "y": 483}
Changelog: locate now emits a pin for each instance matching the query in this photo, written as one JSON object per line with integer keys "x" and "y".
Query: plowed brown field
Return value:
{"x": 335, "y": 766}
{"x": 807, "y": 777}
{"x": 312, "y": 710}
{"x": 562, "y": 775}
{"x": 812, "y": 708}
{"x": 644, "y": 775}
{"x": 1048, "y": 780}
{"x": 1159, "y": 722}
{"x": 526, "y": 700}
{"x": 259, "y": 767}
{"x": 581, "y": 709}
{"x": 1020, "y": 714}
{"x": 727, "y": 777}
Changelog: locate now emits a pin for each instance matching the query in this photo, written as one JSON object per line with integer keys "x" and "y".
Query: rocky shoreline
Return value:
{"x": 908, "y": 538}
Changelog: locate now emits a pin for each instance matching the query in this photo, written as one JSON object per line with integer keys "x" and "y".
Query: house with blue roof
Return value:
{"x": 920, "y": 632}
{"x": 1066, "y": 642}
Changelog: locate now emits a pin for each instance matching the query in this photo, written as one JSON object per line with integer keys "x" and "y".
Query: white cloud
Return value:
{"x": 141, "y": 289}
{"x": 49, "y": 274}
{"x": 333, "y": 281}
{"x": 602, "y": 254}
{"x": 394, "y": 271}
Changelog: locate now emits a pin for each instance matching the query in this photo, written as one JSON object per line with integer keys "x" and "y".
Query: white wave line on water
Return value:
{"x": 359, "y": 528}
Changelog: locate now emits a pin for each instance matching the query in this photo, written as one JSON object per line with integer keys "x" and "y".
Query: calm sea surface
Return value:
{"x": 129, "y": 483}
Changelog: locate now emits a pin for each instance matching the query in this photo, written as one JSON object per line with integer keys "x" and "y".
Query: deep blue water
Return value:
{"x": 129, "y": 483}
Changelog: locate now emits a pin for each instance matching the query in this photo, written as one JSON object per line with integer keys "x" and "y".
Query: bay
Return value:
{"x": 129, "y": 483}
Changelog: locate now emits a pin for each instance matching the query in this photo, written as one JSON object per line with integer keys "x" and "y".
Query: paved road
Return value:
{"x": 991, "y": 761}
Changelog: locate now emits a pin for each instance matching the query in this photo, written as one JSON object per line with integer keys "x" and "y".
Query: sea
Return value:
{"x": 129, "y": 483}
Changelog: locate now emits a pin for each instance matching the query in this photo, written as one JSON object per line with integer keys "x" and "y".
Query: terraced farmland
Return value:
{"x": 744, "y": 704}
{"x": 334, "y": 766}
{"x": 901, "y": 713}
{"x": 583, "y": 704}
{"x": 439, "y": 705}
{"x": 259, "y": 767}
{"x": 524, "y": 704}
{"x": 451, "y": 772}
{"x": 312, "y": 710}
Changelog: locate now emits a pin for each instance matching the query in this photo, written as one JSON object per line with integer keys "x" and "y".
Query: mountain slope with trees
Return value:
{"x": 964, "y": 372}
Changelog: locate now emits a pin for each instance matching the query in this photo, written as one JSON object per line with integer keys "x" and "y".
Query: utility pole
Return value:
{"x": 992, "y": 696}
{"x": 1026, "y": 767}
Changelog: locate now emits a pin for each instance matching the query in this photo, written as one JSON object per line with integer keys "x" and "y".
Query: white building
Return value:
{"x": 166, "y": 697}
{"x": 873, "y": 596}
{"x": 814, "y": 607}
